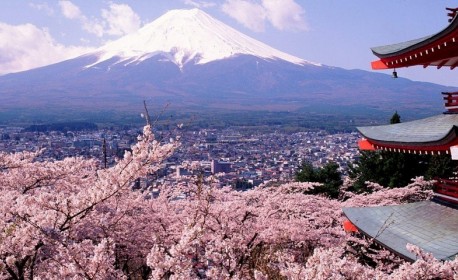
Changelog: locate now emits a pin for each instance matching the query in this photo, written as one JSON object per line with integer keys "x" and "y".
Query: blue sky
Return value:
{"x": 332, "y": 32}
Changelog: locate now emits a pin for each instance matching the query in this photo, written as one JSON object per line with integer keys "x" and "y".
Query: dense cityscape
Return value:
{"x": 234, "y": 153}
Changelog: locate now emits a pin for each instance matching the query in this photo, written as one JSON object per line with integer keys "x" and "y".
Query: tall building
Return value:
{"x": 220, "y": 167}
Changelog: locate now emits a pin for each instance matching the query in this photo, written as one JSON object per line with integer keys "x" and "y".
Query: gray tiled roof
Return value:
{"x": 431, "y": 129}
{"x": 399, "y": 48}
{"x": 389, "y": 49}
{"x": 427, "y": 224}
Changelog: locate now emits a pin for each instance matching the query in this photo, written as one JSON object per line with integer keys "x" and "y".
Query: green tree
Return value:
{"x": 328, "y": 175}
{"x": 242, "y": 185}
{"x": 387, "y": 169}
{"x": 441, "y": 166}
{"x": 396, "y": 118}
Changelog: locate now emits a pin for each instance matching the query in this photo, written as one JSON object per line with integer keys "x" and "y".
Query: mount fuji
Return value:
{"x": 194, "y": 62}
{"x": 187, "y": 36}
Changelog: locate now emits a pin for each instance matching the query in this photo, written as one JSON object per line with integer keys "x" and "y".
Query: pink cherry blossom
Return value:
{"x": 72, "y": 219}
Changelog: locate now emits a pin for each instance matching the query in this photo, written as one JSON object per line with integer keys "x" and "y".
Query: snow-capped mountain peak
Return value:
{"x": 188, "y": 35}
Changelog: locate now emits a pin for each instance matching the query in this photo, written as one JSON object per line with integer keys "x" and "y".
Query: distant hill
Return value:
{"x": 63, "y": 127}
{"x": 195, "y": 63}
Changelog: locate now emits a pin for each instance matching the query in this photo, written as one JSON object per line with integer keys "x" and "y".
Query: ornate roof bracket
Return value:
{"x": 451, "y": 102}
{"x": 452, "y": 13}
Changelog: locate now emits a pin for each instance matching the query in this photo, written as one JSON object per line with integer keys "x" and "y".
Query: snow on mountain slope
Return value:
{"x": 184, "y": 36}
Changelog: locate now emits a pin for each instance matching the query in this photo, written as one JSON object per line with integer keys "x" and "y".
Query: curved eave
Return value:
{"x": 440, "y": 49}
{"x": 412, "y": 148}
{"x": 436, "y": 133}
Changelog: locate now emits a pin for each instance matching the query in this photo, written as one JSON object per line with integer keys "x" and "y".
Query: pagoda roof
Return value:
{"x": 429, "y": 225}
{"x": 399, "y": 48}
{"x": 440, "y": 49}
{"x": 431, "y": 135}
{"x": 429, "y": 130}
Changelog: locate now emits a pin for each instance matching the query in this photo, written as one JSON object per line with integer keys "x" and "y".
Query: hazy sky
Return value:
{"x": 332, "y": 32}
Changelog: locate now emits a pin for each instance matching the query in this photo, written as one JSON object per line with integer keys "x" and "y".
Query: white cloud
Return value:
{"x": 94, "y": 26}
{"x": 285, "y": 14}
{"x": 70, "y": 10}
{"x": 248, "y": 13}
{"x": 121, "y": 19}
{"x": 199, "y": 4}
{"x": 117, "y": 20}
{"x": 26, "y": 46}
{"x": 254, "y": 14}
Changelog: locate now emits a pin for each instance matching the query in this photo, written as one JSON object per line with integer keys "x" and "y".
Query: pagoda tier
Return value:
{"x": 428, "y": 224}
{"x": 431, "y": 225}
{"x": 433, "y": 135}
{"x": 440, "y": 49}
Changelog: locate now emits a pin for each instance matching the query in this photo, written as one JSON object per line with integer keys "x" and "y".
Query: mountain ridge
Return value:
{"x": 240, "y": 81}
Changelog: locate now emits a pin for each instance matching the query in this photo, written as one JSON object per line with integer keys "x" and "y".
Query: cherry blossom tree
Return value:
{"x": 69, "y": 217}
{"x": 74, "y": 219}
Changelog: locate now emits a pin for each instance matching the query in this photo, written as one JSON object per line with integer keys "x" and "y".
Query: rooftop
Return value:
{"x": 432, "y": 129}
{"x": 439, "y": 49}
{"x": 427, "y": 224}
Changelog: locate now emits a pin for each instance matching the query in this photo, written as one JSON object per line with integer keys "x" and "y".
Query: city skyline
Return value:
{"x": 340, "y": 34}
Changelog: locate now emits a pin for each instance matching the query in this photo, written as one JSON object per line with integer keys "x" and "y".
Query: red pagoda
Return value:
{"x": 432, "y": 225}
